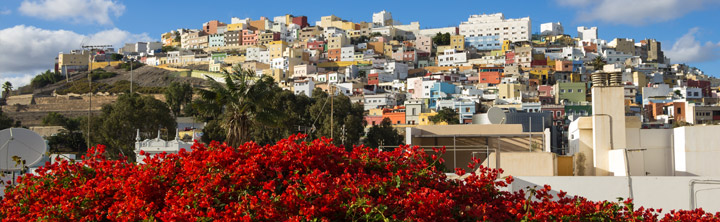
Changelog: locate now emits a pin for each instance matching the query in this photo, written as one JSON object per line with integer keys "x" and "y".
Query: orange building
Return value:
{"x": 490, "y": 77}
{"x": 396, "y": 115}
{"x": 671, "y": 109}
{"x": 563, "y": 66}
{"x": 334, "y": 54}
{"x": 212, "y": 26}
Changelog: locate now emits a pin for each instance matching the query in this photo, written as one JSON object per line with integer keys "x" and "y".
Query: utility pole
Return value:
{"x": 131, "y": 75}
{"x": 89, "y": 75}
{"x": 332, "y": 109}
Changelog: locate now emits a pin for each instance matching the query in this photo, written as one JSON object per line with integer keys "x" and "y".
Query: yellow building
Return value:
{"x": 326, "y": 21}
{"x": 457, "y": 42}
{"x": 375, "y": 112}
{"x": 510, "y": 91}
{"x": 441, "y": 48}
{"x": 358, "y": 33}
{"x": 506, "y": 45}
{"x": 276, "y": 48}
{"x": 424, "y": 119}
{"x": 336, "y": 42}
{"x": 236, "y": 27}
{"x": 266, "y": 37}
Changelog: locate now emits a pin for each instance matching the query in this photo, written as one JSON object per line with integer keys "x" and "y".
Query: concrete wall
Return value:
{"x": 525, "y": 163}
{"x": 656, "y": 192}
{"x": 653, "y": 147}
{"x": 607, "y": 101}
{"x": 697, "y": 150}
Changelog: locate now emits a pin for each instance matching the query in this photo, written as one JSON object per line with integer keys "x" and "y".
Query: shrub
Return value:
{"x": 292, "y": 180}
{"x": 101, "y": 74}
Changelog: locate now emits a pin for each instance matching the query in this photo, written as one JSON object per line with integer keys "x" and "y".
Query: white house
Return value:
{"x": 551, "y": 29}
{"x": 452, "y": 58}
{"x": 304, "y": 86}
{"x": 496, "y": 25}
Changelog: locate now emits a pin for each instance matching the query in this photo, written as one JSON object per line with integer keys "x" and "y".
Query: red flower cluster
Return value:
{"x": 292, "y": 181}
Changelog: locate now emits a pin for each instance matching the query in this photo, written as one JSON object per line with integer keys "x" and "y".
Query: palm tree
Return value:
{"x": 598, "y": 63}
{"x": 239, "y": 102}
{"x": 7, "y": 87}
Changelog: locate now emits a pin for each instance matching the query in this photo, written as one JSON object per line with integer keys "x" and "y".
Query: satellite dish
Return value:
{"x": 22, "y": 143}
{"x": 496, "y": 115}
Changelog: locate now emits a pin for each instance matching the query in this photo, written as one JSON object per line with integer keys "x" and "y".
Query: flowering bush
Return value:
{"x": 292, "y": 181}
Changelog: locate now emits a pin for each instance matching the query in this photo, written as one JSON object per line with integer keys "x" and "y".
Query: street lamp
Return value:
{"x": 132, "y": 60}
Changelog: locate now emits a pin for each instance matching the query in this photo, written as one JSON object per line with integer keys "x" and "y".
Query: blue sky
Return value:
{"x": 32, "y": 32}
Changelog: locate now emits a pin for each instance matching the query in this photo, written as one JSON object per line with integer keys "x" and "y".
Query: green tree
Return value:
{"x": 7, "y": 87}
{"x": 361, "y": 73}
{"x": 177, "y": 36}
{"x": 116, "y": 57}
{"x": 383, "y": 134}
{"x": 598, "y": 62}
{"x": 70, "y": 138}
{"x": 57, "y": 119}
{"x": 450, "y": 116}
{"x": 177, "y": 96}
{"x": 44, "y": 79}
{"x": 375, "y": 34}
{"x": 346, "y": 114}
{"x": 117, "y": 124}
{"x": 5, "y": 121}
{"x": 296, "y": 117}
{"x": 441, "y": 39}
{"x": 168, "y": 48}
{"x": 243, "y": 101}
{"x": 213, "y": 131}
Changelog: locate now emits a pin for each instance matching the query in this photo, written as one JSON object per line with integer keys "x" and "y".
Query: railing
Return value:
{"x": 474, "y": 149}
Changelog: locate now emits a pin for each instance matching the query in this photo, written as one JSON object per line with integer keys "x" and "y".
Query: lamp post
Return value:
{"x": 132, "y": 60}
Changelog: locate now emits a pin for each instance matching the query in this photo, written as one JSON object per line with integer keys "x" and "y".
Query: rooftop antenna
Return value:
{"x": 91, "y": 57}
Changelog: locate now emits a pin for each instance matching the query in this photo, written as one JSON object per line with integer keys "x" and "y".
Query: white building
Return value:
{"x": 496, "y": 25}
{"x": 587, "y": 33}
{"x": 614, "y": 57}
{"x": 347, "y": 53}
{"x": 551, "y": 29}
{"x": 452, "y": 58}
{"x": 381, "y": 18}
{"x": 257, "y": 54}
{"x": 304, "y": 70}
{"x": 379, "y": 100}
{"x": 304, "y": 86}
{"x": 157, "y": 146}
{"x": 398, "y": 69}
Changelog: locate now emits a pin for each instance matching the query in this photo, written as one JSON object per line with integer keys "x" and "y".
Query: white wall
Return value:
{"x": 697, "y": 150}
{"x": 656, "y": 192}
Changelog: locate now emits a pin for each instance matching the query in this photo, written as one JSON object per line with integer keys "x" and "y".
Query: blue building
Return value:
{"x": 484, "y": 42}
{"x": 465, "y": 108}
{"x": 440, "y": 90}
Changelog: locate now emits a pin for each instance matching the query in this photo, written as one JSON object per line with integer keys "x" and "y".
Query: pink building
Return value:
{"x": 249, "y": 37}
{"x": 563, "y": 66}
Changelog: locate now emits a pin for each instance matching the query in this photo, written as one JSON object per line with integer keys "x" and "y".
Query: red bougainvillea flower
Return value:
{"x": 293, "y": 181}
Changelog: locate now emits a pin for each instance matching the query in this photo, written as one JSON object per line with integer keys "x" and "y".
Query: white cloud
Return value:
{"x": 5, "y": 11}
{"x": 635, "y": 12}
{"x": 28, "y": 50}
{"x": 17, "y": 81}
{"x": 687, "y": 49}
{"x": 79, "y": 11}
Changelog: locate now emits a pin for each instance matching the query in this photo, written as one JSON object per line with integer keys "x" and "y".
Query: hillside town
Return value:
{"x": 550, "y": 101}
